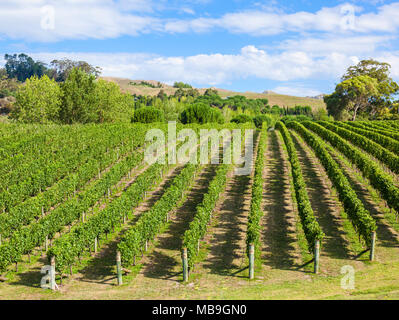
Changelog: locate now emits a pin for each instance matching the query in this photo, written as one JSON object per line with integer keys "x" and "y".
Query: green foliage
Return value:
{"x": 365, "y": 87}
{"x": 379, "y": 179}
{"x": 79, "y": 103}
{"x": 72, "y": 245}
{"x": 256, "y": 212}
{"x": 146, "y": 84}
{"x": 309, "y": 223}
{"x": 270, "y": 120}
{"x": 27, "y": 238}
{"x": 151, "y": 222}
{"x": 38, "y": 101}
{"x": 321, "y": 114}
{"x": 182, "y": 85}
{"x": 287, "y": 119}
{"x": 199, "y": 225}
{"x": 361, "y": 219}
{"x": 148, "y": 115}
{"x": 201, "y": 114}
{"x": 105, "y": 150}
{"x": 62, "y": 68}
{"x": 242, "y": 118}
{"x": 112, "y": 105}
{"x": 23, "y": 67}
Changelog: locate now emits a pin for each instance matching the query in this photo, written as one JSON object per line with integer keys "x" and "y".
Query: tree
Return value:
{"x": 181, "y": 85}
{"x": 350, "y": 100}
{"x": 211, "y": 92}
{"x": 162, "y": 95}
{"x": 111, "y": 104}
{"x": 38, "y": 101}
{"x": 23, "y": 67}
{"x": 353, "y": 95}
{"x": 79, "y": 98}
{"x": 61, "y": 69}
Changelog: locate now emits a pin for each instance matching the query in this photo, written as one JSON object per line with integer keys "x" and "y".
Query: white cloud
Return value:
{"x": 343, "y": 44}
{"x": 74, "y": 19}
{"x": 214, "y": 69}
{"x": 101, "y": 19}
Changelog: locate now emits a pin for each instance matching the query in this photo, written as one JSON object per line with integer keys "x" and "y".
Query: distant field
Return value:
{"x": 274, "y": 98}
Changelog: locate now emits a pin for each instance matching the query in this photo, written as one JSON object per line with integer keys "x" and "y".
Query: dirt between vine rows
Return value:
{"x": 325, "y": 207}
{"x": 278, "y": 236}
{"x": 226, "y": 237}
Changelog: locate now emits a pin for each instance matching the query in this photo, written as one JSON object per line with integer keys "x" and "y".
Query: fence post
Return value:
{"x": 316, "y": 256}
{"x": 251, "y": 261}
{"x": 372, "y": 248}
{"x": 119, "y": 267}
{"x": 185, "y": 264}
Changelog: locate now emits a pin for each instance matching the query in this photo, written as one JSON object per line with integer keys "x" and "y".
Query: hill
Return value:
{"x": 137, "y": 87}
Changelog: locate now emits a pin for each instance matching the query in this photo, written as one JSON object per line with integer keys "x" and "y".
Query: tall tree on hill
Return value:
{"x": 365, "y": 87}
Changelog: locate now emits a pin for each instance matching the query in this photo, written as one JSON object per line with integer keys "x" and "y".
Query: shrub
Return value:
{"x": 259, "y": 120}
{"x": 201, "y": 113}
{"x": 242, "y": 118}
{"x": 148, "y": 115}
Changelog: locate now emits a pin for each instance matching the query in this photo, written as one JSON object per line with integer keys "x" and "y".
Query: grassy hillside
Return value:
{"x": 274, "y": 98}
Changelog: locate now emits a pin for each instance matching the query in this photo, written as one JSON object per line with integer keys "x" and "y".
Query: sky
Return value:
{"x": 297, "y": 47}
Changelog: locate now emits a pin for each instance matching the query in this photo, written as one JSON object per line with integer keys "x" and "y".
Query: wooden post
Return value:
{"x": 52, "y": 273}
{"x": 251, "y": 261}
{"x": 0, "y": 239}
{"x": 146, "y": 246}
{"x": 95, "y": 244}
{"x": 185, "y": 264}
{"x": 46, "y": 244}
{"x": 316, "y": 256}
{"x": 119, "y": 267}
{"x": 372, "y": 248}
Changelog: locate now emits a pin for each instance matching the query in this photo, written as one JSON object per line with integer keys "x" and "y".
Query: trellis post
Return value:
{"x": 316, "y": 256}
{"x": 119, "y": 267}
{"x": 185, "y": 264}
{"x": 251, "y": 261}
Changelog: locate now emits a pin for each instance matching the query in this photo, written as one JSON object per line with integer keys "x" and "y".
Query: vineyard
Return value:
{"x": 321, "y": 197}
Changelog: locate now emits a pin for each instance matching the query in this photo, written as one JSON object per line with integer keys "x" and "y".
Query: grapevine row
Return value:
{"x": 27, "y": 238}
{"x": 309, "y": 223}
{"x": 34, "y": 207}
{"x": 380, "y": 180}
{"x": 361, "y": 219}
{"x": 384, "y": 141}
{"x": 390, "y": 159}
{"x": 256, "y": 212}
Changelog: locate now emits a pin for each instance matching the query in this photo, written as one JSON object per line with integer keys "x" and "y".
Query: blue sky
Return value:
{"x": 292, "y": 47}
